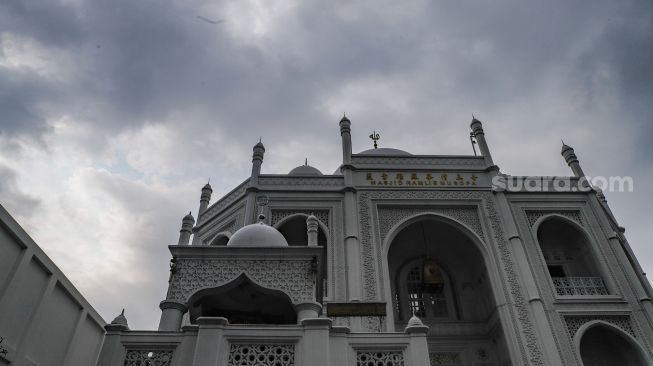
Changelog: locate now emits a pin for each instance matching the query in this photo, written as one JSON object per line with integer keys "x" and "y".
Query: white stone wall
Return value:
{"x": 43, "y": 318}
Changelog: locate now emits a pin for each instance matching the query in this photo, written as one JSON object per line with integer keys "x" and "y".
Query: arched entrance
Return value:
{"x": 437, "y": 270}
{"x": 243, "y": 302}
{"x": 604, "y": 345}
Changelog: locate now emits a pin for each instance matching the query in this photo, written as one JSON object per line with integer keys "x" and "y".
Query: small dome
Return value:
{"x": 414, "y": 321}
{"x": 385, "y": 151}
{"x": 189, "y": 217}
{"x": 566, "y": 147}
{"x": 120, "y": 319}
{"x": 305, "y": 170}
{"x": 208, "y": 186}
{"x": 257, "y": 235}
{"x": 345, "y": 119}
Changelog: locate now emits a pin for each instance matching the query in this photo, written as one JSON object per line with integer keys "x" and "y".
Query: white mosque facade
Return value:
{"x": 395, "y": 259}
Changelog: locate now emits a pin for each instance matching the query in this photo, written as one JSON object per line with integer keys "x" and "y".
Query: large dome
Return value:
{"x": 305, "y": 170}
{"x": 257, "y": 235}
{"x": 385, "y": 151}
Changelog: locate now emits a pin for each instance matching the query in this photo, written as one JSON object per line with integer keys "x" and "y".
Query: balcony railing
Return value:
{"x": 579, "y": 286}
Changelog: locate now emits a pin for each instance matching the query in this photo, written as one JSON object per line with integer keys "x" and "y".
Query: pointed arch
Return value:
{"x": 243, "y": 301}
{"x": 599, "y": 343}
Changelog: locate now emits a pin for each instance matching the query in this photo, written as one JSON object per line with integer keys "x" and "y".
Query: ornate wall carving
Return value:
{"x": 445, "y": 358}
{"x": 262, "y": 355}
{"x": 148, "y": 358}
{"x": 293, "y": 277}
{"x": 278, "y": 215}
{"x": 533, "y": 215}
{"x": 372, "y": 257}
{"x": 379, "y": 358}
{"x": 574, "y": 322}
{"x": 390, "y": 216}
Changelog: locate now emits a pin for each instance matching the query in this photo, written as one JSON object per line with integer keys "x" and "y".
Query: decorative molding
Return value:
{"x": 230, "y": 197}
{"x": 280, "y": 214}
{"x": 574, "y": 322}
{"x": 390, "y": 216}
{"x": 262, "y": 354}
{"x": 372, "y": 257}
{"x": 380, "y": 358}
{"x": 445, "y": 358}
{"x": 293, "y": 277}
{"x": 148, "y": 357}
{"x": 289, "y": 180}
{"x": 533, "y": 215}
{"x": 440, "y": 162}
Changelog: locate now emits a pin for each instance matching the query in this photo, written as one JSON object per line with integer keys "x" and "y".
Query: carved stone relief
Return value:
{"x": 574, "y": 322}
{"x": 533, "y": 215}
{"x": 293, "y": 277}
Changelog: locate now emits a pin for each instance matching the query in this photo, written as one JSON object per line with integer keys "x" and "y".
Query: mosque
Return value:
{"x": 395, "y": 259}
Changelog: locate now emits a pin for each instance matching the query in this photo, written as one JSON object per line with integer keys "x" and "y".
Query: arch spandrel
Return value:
{"x": 392, "y": 218}
{"x": 292, "y": 277}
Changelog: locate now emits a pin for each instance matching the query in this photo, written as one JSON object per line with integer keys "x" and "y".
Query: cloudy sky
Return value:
{"x": 114, "y": 113}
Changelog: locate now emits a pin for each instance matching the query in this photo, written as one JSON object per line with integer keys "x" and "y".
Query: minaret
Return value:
{"x": 257, "y": 161}
{"x": 572, "y": 160}
{"x": 311, "y": 225}
{"x": 479, "y": 135}
{"x": 205, "y": 198}
{"x": 186, "y": 229}
{"x": 352, "y": 244}
{"x": 345, "y": 133}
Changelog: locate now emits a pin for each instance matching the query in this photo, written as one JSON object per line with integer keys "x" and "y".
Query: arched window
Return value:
{"x": 295, "y": 232}
{"x": 425, "y": 298}
{"x": 570, "y": 260}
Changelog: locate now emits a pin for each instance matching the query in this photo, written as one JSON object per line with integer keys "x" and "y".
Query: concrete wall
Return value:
{"x": 43, "y": 319}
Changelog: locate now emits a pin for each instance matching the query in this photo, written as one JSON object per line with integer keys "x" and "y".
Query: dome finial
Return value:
{"x": 305, "y": 161}
{"x": 261, "y": 217}
{"x": 375, "y": 137}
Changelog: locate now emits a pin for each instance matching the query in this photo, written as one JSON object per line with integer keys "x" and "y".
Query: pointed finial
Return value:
{"x": 305, "y": 161}
{"x": 122, "y": 312}
{"x": 209, "y": 182}
{"x": 260, "y": 139}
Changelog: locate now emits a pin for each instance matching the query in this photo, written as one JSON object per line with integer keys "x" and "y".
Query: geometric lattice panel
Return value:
{"x": 574, "y": 322}
{"x": 262, "y": 355}
{"x": 378, "y": 358}
{"x": 148, "y": 358}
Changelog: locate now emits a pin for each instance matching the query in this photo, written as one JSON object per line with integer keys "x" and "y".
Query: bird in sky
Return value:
{"x": 210, "y": 21}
